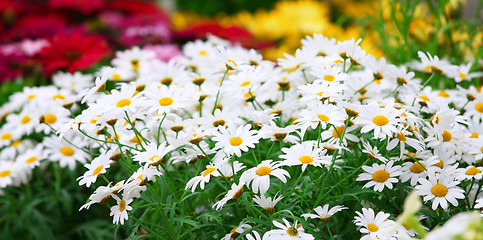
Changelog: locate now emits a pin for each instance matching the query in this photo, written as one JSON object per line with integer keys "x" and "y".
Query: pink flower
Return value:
{"x": 164, "y": 52}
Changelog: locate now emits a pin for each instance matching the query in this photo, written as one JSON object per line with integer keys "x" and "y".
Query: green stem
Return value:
{"x": 159, "y": 128}
{"x": 138, "y": 135}
{"x": 218, "y": 93}
{"x": 103, "y": 141}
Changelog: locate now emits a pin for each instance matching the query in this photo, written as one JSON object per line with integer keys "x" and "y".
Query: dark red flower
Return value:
{"x": 72, "y": 52}
{"x": 36, "y": 26}
{"x": 83, "y": 6}
{"x": 138, "y": 29}
{"x": 134, "y": 7}
{"x": 10, "y": 66}
{"x": 234, "y": 34}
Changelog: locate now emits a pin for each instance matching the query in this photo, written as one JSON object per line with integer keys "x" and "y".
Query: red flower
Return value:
{"x": 232, "y": 33}
{"x": 84, "y": 6}
{"x": 72, "y": 52}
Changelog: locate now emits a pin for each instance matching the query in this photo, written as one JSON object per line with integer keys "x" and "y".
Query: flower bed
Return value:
{"x": 221, "y": 144}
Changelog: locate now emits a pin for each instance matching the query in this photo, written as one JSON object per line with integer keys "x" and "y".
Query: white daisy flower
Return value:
{"x": 7, "y": 172}
{"x": 372, "y": 152}
{"x": 324, "y": 213}
{"x": 317, "y": 113}
{"x": 236, "y": 141}
{"x": 161, "y": 99}
{"x": 414, "y": 170}
{"x": 59, "y": 150}
{"x": 279, "y": 134}
{"x": 402, "y": 138}
{"x": 434, "y": 64}
{"x": 267, "y": 203}
{"x": 211, "y": 171}
{"x": 32, "y": 156}
{"x": 134, "y": 59}
{"x": 305, "y": 154}
{"x": 259, "y": 176}
{"x": 235, "y": 192}
{"x": 468, "y": 173}
{"x": 235, "y": 232}
{"x": 335, "y": 136}
{"x": 381, "y": 175}
{"x": 100, "y": 85}
{"x": 125, "y": 100}
{"x": 154, "y": 154}
{"x": 287, "y": 231}
{"x": 96, "y": 168}
{"x": 119, "y": 211}
{"x": 440, "y": 188}
{"x": 383, "y": 121}
{"x": 373, "y": 225}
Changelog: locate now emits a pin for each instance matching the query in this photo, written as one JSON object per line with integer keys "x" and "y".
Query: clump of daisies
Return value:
{"x": 229, "y": 145}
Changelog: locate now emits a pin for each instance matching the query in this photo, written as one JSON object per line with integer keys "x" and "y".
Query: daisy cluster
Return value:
{"x": 261, "y": 133}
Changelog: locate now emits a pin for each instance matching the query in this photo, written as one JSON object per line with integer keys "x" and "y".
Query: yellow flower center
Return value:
{"x": 236, "y": 141}
{"x": 6, "y": 136}
{"x": 152, "y": 158}
{"x": 440, "y": 164}
{"x": 280, "y": 136}
{"x": 481, "y": 149}
{"x": 417, "y": 167}
{"x": 135, "y": 64}
{"x": 380, "y": 176}
{"x": 462, "y": 75}
{"x": 16, "y": 143}
{"x": 123, "y": 103}
{"x": 58, "y": 96}
{"x": 306, "y": 159}
{"x": 372, "y": 227}
{"x": 238, "y": 193}
{"x": 166, "y": 81}
{"x": 446, "y": 136}
{"x": 202, "y": 53}
{"x": 97, "y": 170}
{"x": 337, "y": 132}
{"x": 31, "y": 159}
{"x": 473, "y": 171}
{"x": 25, "y": 120}
{"x": 115, "y": 77}
{"x": 424, "y": 98}
{"x": 262, "y": 171}
{"x": 439, "y": 190}
{"x": 401, "y": 137}
{"x": 329, "y": 78}
{"x": 443, "y": 94}
{"x": 67, "y": 151}
{"x": 122, "y": 205}
{"x": 220, "y": 122}
{"x": 31, "y": 96}
{"x": 380, "y": 120}
{"x": 291, "y": 231}
{"x": 474, "y": 135}
{"x": 323, "y": 117}
{"x": 5, "y": 173}
{"x": 244, "y": 84}
{"x": 166, "y": 101}
{"x": 208, "y": 171}
{"x": 177, "y": 128}
{"x": 50, "y": 118}
{"x": 479, "y": 107}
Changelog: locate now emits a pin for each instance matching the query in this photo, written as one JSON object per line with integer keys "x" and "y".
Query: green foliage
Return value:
{"x": 214, "y": 7}
{"x": 48, "y": 208}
